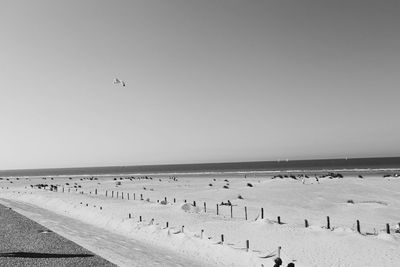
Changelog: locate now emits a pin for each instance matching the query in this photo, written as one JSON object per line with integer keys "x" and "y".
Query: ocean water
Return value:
{"x": 318, "y": 165}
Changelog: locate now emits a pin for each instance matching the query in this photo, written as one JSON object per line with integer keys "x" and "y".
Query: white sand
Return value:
{"x": 376, "y": 202}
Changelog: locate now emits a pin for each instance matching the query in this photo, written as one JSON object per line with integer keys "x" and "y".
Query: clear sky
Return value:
{"x": 207, "y": 81}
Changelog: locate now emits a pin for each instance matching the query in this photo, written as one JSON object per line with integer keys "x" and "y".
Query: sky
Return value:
{"x": 207, "y": 81}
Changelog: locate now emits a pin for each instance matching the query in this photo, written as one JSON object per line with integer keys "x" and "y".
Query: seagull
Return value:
{"x": 118, "y": 81}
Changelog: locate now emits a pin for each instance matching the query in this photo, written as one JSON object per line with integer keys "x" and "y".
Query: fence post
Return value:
{"x": 174, "y": 200}
{"x": 231, "y": 211}
{"x": 205, "y": 207}
{"x": 328, "y": 222}
{"x": 167, "y": 225}
{"x": 245, "y": 213}
{"x": 279, "y": 219}
{"x": 222, "y": 239}
{"x": 122, "y": 195}
{"x": 140, "y": 218}
{"x": 306, "y": 223}
{"x": 141, "y": 196}
{"x": 201, "y": 233}
{"x": 112, "y": 193}
{"x": 183, "y": 228}
{"x": 358, "y": 226}
{"x": 247, "y": 245}
{"x": 387, "y": 229}
{"x": 106, "y": 192}
{"x": 279, "y": 252}
{"x": 128, "y": 196}
{"x": 130, "y": 216}
{"x": 194, "y": 203}
{"x": 95, "y": 191}
{"x": 165, "y": 199}
{"x": 217, "y": 210}
{"x": 262, "y": 213}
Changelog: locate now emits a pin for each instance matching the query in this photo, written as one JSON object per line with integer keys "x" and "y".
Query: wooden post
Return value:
{"x": 205, "y": 207}
{"x": 130, "y": 216}
{"x": 122, "y": 195}
{"x": 358, "y": 226}
{"x": 63, "y": 189}
{"x": 262, "y": 213}
{"x": 174, "y": 200}
{"x": 140, "y": 218}
{"x": 112, "y": 193}
{"x": 279, "y": 252}
{"x": 117, "y": 194}
{"x": 217, "y": 210}
{"x": 183, "y": 228}
{"x": 306, "y": 223}
{"x": 165, "y": 199}
{"x": 194, "y": 203}
{"x": 387, "y": 229}
{"x": 245, "y": 213}
{"x": 106, "y": 192}
{"x": 167, "y": 225}
{"x": 279, "y": 219}
{"x": 328, "y": 222}
{"x": 141, "y": 196}
{"x": 231, "y": 211}
{"x": 134, "y": 196}
{"x": 95, "y": 191}
{"x": 128, "y": 196}
{"x": 222, "y": 239}
{"x": 101, "y": 207}
{"x": 247, "y": 245}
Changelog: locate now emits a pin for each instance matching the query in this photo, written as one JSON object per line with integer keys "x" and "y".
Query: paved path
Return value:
{"x": 120, "y": 250}
{"x": 24, "y": 242}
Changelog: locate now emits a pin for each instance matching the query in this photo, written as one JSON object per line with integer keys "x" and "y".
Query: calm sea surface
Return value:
{"x": 259, "y": 166}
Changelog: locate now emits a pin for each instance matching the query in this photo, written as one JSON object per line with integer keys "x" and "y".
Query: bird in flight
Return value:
{"x": 118, "y": 81}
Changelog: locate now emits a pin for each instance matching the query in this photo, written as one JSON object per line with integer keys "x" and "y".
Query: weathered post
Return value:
{"x": 306, "y": 223}
{"x": 279, "y": 219}
{"x": 194, "y": 203}
{"x": 247, "y": 245}
{"x": 106, "y": 192}
{"x": 387, "y": 229}
{"x": 217, "y": 210}
{"x": 262, "y": 213}
{"x": 328, "y": 222}
{"x": 231, "y": 211}
{"x": 112, "y": 193}
{"x": 205, "y": 207}
{"x": 95, "y": 191}
{"x": 358, "y": 227}
{"x": 222, "y": 239}
{"x": 130, "y": 216}
{"x": 140, "y": 218}
{"x": 245, "y": 213}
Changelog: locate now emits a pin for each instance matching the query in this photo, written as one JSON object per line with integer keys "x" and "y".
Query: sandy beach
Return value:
{"x": 179, "y": 216}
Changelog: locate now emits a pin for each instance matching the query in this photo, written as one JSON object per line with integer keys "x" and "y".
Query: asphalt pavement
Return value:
{"x": 24, "y": 242}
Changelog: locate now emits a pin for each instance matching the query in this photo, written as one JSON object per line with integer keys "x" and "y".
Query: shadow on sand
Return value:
{"x": 42, "y": 255}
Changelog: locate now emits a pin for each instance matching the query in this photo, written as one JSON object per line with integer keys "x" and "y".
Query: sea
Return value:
{"x": 359, "y": 165}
